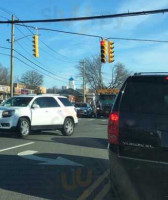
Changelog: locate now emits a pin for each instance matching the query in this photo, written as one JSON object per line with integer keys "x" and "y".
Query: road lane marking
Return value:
{"x": 104, "y": 120}
{"x": 29, "y": 154}
{"x": 88, "y": 191}
{"x": 91, "y": 119}
{"x": 15, "y": 147}
{"x": 103, "y": 192}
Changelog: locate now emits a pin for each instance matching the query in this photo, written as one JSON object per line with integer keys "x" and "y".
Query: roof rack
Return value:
{"x": 150, "y": 73}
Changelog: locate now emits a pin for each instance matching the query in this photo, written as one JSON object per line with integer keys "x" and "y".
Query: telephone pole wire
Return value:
{"x": 12, "y": 56}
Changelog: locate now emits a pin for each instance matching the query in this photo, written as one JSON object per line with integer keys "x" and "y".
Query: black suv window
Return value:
{"x": 46, "y": 102}
{"x": 65, "y": 101}
{"x": 145, "y": 97}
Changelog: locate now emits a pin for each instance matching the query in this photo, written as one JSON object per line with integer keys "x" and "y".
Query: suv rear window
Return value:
{"x": 145, "y": 97}
{"x": 65, "y": 101}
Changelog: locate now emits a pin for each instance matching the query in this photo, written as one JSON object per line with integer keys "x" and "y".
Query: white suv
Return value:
{"x": 39, "y": 112}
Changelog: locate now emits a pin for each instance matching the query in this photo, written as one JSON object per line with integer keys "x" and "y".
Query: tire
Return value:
{"x": 68, "y": 128}
{"x": 23, "y": 127}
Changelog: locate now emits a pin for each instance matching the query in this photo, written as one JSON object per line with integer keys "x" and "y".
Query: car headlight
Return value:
{"x": 8, "y": 113}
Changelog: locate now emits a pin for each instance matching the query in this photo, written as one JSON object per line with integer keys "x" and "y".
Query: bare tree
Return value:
{"x": 32, "y": 79}
{"x": 4, "y": 75}
{"x": 93, "y": 72}
{"x": 120, "y": 73}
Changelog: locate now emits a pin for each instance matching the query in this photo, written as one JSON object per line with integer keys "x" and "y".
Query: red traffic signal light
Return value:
{"x": 103, "y": 46}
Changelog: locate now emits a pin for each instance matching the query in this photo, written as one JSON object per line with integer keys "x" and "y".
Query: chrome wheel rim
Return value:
{"x": 69, "y": 127}
{"x": 24, "y": 127}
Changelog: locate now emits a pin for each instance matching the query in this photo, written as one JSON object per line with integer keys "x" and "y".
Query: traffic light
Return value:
{"x": 111, "y": 51}
{"x": 103, "y": 46}
{"x": 35, "y": 46}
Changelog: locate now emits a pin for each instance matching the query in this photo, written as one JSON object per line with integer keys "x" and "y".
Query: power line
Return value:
{"x": 128, "y": 14}
{"x": 60, "y": 31}
{"x": 139, "y": 40}
{"x": 97, "y": 36}
{"x": 6, "y": 11}
{"x": 30, "y": 66}
{"x": 4, "y": 47}
{"x": 53, "y": 50}
{"x": 3, "y": 17}
{"x": 45, "y": 43}
{"x": 37, "y": 60}
{"x": 59, "y": 78}
{"x": 37, "y": 65}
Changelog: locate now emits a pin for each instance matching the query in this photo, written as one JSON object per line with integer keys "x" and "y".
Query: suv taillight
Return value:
{"x": 113, "y": 128}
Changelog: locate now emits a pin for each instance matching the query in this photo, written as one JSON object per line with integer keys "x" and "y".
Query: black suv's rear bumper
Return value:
{"x": 136, "y": 180}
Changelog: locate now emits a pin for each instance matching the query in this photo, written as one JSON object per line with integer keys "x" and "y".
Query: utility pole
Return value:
{"x": 84, "y": 82}
{"x": 100, "y": 77}
{"x": 12, "y": 56}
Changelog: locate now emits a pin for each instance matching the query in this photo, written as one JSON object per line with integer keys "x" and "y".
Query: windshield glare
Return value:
{"x": 17, "y": 102}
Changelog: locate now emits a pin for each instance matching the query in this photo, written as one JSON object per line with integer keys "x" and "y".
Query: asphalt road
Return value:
{"x": 48, "y": 165}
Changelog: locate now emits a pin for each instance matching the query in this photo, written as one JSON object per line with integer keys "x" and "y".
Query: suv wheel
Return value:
{"x": 23, "y": 127}
{"x": 68, "y": 128}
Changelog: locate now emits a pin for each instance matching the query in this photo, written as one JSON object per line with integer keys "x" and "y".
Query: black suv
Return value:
{"x": 138, "y": 138}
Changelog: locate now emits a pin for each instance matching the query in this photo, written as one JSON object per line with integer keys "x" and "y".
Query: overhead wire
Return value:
{"x": 2, "y": 47}
{"x": 10, "y": 13}
{"x": 38, "y": 65}
{"x": 48, "y": 48}
{"x": 37, "y": 60}
{"x": 102, "y": 16}
{"x": 96, "y": 36}
{"x": 30, "y": 66}
{"x": 53, "y": 50}
{"x": 119, "y": 15}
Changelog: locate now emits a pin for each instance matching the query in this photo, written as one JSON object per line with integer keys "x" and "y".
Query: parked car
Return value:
{"x": 138, "y": 138}
{"x": 83, "y": 109}
{"x": 1, "y": 101}
{"x": 40, "y": 112}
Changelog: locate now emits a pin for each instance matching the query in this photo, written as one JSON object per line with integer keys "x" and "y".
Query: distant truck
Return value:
{"x": 105, "y": 101}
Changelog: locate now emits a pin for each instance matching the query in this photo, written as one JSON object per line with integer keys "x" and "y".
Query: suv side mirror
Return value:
{"x": 35, "y": 106}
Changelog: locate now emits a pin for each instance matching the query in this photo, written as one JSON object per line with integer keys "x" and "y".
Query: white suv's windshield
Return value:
{"x": 17, "y": 102}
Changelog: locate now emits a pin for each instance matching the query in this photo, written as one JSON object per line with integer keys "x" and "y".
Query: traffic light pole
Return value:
{"x": 84, "y": 82}
{"x": 12, "y": 57}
